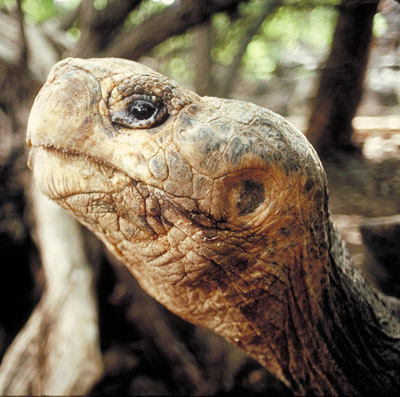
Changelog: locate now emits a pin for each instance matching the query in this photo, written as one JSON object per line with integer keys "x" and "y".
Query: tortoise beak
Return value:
{"x": 69, "y": 94}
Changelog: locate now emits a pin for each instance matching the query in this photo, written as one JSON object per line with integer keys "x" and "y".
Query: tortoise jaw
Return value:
{"x": 60, "y": 173}
{"x": 105, "y": 198}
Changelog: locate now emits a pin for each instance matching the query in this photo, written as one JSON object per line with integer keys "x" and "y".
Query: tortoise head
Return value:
{"x": 211, "y": 203}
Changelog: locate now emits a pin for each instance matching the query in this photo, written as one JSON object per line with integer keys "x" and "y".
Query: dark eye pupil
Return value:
{"x": 142, "y": 110}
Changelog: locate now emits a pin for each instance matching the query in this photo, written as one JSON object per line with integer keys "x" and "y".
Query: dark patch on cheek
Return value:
{"x": 256, "y": 340}
{"x": 251, "y": 195}
{"x": 285, "y": 231}
{"x": 318, "y": 204}
{"x": 255, "y": 310}
{"x": 308, "y": 185}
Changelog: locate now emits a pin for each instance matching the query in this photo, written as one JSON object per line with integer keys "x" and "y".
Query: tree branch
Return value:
{"x": 23, "y": 55}
{"x": 174, "y": 20}
{"x": 340, "y": 87}
{"x": 57, "y": 352}
{"x": 99, "y": 27}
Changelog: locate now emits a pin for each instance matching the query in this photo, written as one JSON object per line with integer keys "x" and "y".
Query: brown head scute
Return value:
{"x": 143, "y": 103}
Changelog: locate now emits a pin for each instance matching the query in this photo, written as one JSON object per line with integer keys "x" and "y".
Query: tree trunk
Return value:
{"x": 174, "y": 20}
{"x": 99, "y": 28}
{"x": 202, "y": 55}
{"x": 340, "y": 88}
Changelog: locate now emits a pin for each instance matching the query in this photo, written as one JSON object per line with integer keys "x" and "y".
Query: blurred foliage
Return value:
{"x": 100, "y": 4}
{"x": 38, "y": 11}
{"x": 380, "y": 25}
{"x": 176, "y": 57}
{"x": 288, "y": 30}
{"x": 144, "y": 11}
{"x": 297, "y": 35}
{"x": 294, "y": 36}
{"x": 305, "y": 26}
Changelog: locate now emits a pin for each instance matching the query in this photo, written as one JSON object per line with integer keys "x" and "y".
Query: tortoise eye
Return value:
{"x": 139, "y": 111}
{"x": 142, "y": 110}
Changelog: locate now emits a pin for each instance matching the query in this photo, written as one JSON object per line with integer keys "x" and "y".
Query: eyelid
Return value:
{"x": 120, "y": 86}
{"x": 126, "y": 101}
{"x": 121, "y": 111}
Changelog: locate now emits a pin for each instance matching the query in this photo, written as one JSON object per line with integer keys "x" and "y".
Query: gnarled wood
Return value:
{"x": 62, "y": 332}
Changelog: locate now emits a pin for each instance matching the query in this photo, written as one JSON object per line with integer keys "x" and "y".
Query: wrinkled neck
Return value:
{"x": 320, "y": 328}
{"x": 291, "y": 298}
{"x": 364, "y": 326}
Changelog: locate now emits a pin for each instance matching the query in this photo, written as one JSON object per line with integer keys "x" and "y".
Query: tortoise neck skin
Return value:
{"x": 220, "y": 209}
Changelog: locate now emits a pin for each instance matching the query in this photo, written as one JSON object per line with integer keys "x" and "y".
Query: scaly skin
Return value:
{"x": 219, "y": 209}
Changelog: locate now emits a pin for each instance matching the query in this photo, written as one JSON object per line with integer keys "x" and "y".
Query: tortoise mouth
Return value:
{"x": 60, "y": 173}
{"x": 100, "y": 196}
{"x": 67, "y": 154}
{"x": 95, "y": 191}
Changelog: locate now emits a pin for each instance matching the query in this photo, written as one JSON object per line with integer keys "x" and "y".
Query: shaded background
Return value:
{"x": 342, "y": 89}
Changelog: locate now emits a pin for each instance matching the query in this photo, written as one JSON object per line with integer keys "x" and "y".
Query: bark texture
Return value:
{"x": 62, "y": 332}
{"x": 173, "y": 21}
